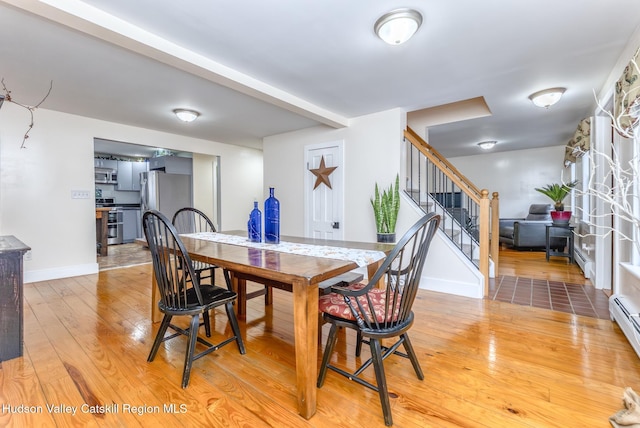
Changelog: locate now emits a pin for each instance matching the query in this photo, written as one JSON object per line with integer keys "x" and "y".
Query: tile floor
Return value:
{"x": 124, "y": 255}
{"x": 555, "y": 295}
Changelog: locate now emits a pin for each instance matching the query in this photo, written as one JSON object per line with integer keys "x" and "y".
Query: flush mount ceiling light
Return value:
{"x": 186, "y": 115}
{"x": 397, "y": 26}
{"x": 547, "y": 98}
{"x": 487, "y": 145}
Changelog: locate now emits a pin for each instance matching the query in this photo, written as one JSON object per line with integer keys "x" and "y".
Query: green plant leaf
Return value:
{"x": 557, "y": 192}
{"x": 386, "y": 207}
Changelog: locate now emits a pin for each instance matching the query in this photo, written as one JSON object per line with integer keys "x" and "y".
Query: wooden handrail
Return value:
{"x": 451, "y": 171}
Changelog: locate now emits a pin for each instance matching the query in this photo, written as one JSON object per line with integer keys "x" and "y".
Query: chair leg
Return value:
{"x": 376, "y": 355}
{"x": 205, "y": 315}
{"x": 358, "y": 344}
{"x": 166, "y": 320}
{"x": 235, "y": 327}
{"x": 191, "y": 347}
{"x": 328, "y": 350}
{"x": 412, "y": 356}
{"x": 320, "y": 324}
{"x": 207, "y": 323}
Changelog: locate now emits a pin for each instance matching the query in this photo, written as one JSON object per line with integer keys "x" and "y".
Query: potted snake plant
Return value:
{"x": 385, "y": 210}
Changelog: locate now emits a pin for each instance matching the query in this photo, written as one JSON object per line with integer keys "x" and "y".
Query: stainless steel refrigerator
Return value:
{"x": 164, "y": 192}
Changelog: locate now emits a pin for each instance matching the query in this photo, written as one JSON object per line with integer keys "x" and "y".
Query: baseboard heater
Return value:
{"x": 625, "y": 313}
{"x": 584, "y": 263}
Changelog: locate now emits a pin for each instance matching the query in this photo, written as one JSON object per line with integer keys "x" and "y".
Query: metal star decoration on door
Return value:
{"x": 322, "y": 174}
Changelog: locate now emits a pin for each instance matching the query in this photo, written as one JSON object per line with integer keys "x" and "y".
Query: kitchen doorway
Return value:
{"x": 205, "y": 184}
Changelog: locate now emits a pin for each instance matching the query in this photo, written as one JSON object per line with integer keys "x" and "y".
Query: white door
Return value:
{"x": 324, "y": 190}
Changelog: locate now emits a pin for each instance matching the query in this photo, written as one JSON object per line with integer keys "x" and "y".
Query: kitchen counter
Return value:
{"x": 102, "y": 233}
{"x": 99, "y": 211}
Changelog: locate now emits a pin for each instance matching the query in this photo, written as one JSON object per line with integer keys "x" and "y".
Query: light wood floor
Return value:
{"x": 486, "y": 364}
{"x": 534, "y": 264}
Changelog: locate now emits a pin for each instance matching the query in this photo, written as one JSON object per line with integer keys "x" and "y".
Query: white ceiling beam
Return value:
{"x": 97, "y": 23}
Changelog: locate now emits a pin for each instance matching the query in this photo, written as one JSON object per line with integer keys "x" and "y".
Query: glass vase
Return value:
{"x": 254, "y": 226}
{"x": 271, "y": 219}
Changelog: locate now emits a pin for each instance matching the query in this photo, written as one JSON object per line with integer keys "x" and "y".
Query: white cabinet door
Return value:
{"x": 124, "y": 175}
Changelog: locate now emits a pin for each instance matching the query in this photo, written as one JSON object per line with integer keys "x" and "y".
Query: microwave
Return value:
{"x": 106, "y": 176}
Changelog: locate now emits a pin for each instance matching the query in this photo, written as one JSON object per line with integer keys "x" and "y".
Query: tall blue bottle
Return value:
{"x": 255, "y": 224}
{"x": 271, "y": 219}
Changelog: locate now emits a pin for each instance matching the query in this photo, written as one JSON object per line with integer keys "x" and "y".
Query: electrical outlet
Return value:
{"x": 79, "y": 194}
{"x": 27, "y": 256}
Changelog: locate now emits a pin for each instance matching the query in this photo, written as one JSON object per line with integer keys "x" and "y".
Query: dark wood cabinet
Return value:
{"x": 12, "y": 251}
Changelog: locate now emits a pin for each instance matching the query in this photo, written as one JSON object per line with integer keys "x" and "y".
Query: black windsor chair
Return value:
{"x": 181, "y": 293}
{"x": 376, "y": 313}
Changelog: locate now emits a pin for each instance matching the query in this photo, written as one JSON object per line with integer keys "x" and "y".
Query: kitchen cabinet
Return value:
{"x": 129, "y": 175}
{"x": 130, "y": 226}
{"x": 171, "y": 164}
{"x": 105, "y": 163}
{"x": 124, "y": 175}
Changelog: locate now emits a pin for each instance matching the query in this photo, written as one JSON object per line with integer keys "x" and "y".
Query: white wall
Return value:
{"x": 372, "y": 153}
{"x": 515, "y": 175}
{"x": 203, "y": 192}
{"x": 373, "y": 150}
{"x": 36, "y": 184}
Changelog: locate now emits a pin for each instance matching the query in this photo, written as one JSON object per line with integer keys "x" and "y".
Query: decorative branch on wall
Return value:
{"x": 322, "y": 174}
{"x": 7, "y": 97}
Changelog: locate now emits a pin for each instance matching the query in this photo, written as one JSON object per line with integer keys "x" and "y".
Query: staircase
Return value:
{"x": 469, "y": 217}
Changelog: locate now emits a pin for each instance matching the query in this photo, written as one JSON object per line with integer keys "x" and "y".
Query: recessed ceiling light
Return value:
{"x": 397, "y": 26}
{"x": 487, "y": 145}
{"x": 186, "y": 115}
{"x": 547, "y": 98}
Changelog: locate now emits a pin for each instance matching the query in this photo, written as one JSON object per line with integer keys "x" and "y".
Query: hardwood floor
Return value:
{"x": 533, "y": 264}
{"x": 486, "y": 364}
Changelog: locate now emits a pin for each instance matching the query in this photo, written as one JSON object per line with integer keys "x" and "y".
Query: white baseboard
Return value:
{"x": 464, "y": 289}
{"x": 57, "y": 273}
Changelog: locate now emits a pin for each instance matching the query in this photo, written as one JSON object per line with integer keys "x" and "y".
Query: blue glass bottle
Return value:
{"x": 271, "y": 219}
{"x": 254, "y": 225}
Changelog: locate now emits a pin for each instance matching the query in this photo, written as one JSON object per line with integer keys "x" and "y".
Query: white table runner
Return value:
{"x": 361, "y": 257}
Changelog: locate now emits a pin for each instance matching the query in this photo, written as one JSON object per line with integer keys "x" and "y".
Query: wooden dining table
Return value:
{"x": 299, "y": 274}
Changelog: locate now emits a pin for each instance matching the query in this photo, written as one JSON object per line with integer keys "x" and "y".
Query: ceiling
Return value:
{"x": 254, "y": 68}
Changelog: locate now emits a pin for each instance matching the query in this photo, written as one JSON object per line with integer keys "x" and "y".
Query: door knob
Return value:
{"x": 335, "y": 225}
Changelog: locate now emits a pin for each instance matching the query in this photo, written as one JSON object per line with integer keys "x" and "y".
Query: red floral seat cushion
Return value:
{"x": 334, "y": 304}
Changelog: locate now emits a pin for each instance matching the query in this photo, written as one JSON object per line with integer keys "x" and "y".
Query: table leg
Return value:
{"x": 305, "y": 320}
{"x": 239, "y": 285}
{"x": 547, "y": 243}
{"x": 371, "y": 270}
